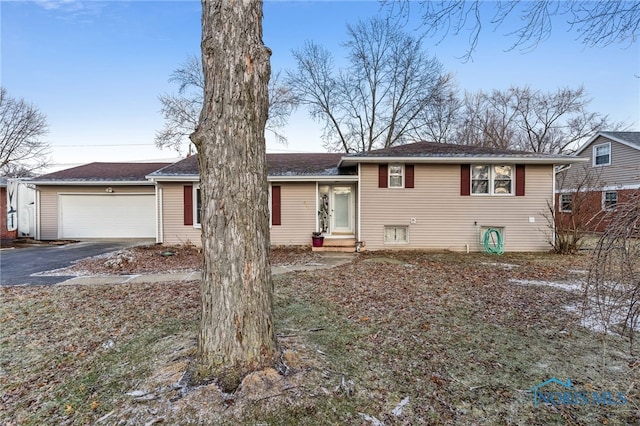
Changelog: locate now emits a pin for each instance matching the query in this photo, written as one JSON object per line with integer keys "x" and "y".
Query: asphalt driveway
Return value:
{"x": 18, "y": 266}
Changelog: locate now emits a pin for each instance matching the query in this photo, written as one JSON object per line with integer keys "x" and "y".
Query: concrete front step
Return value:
{"x": 343, "y": 245}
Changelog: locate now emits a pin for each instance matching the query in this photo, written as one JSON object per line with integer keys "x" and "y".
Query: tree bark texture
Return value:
{"x": 237, "y": 334}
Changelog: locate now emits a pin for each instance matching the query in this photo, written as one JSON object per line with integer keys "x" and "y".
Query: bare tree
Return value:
{"x": 22, "y": 152}
{"x": 597, "y": 23}
{"x": 181, "y": 111}
{"x": 554, "y": 122}
{"x": 441, "y": 115}
{"x": 486, "y": 120}
{"x": 577, "y": 211}
{"x": 237, "y": 334}
{"x": 375, "y": 102}
{"x": 530, "y": 120}
{"x": 612, "y": 290}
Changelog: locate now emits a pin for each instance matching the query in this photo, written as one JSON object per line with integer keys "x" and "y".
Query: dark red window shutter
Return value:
{"x": 465, "y": 179}
{"x": 520, "y": 180}
{"x": 275, "y": 206}
{"x": 188, "y": 205}
{"x": 383, "y": 176}
{"x": 408, "y": 175}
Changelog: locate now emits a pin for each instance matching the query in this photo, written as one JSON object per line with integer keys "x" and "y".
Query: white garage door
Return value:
{"x": 107, "y": 216}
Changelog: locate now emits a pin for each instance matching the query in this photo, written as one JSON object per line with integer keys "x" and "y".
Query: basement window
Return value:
{"x": 394, "y": 234}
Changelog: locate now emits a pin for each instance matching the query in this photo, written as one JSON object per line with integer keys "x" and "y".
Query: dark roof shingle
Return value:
{"x": 630, "y": 137}
{"x": 277, "y": 165}
{"x": 104, "y": 172}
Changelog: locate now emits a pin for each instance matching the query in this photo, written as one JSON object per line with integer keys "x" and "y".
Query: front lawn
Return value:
{"x": 396, "y": 338}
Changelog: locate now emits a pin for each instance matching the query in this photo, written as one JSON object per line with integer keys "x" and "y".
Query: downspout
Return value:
{"x": 553, "y": 207}
{"x": 160, "y": 215}
{"x": 359, "y": 207}
{"x": 317, "y": 207}
{"x": 37, "y": 221}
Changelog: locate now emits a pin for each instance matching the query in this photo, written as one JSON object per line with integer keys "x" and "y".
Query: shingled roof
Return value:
{"x": 434, "y": 152}
{"x": 102, "y": 172}
{"x": 321, "y": 164}
{"x": 632, "y": 138}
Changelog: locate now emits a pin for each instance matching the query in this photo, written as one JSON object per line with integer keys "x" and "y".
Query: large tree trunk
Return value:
{"x": 236, "y": 333}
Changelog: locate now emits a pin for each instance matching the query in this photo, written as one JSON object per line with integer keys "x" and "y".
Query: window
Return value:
{"x": 396, "y": 234}
{"x": 565, "y": 202}
{"x": 197, "y": 207}
{"x": 602, "y": 155}
{"x": 491, "y": 180}
{"x": 609, "y": 200}
{"x": 396, "y": 174}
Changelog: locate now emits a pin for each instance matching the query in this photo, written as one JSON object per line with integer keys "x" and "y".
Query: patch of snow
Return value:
{"x": 371, "y": 419}
{"x": 397, "y": 411}
{"x": 575, "y": 286}
{"x": 501, "y": 265}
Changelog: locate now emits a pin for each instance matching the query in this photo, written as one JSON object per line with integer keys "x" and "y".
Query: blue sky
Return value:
{"x": 96, "y": 68}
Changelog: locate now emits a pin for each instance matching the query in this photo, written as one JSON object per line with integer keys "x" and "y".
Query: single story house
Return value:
{"x": 422, "y": 195}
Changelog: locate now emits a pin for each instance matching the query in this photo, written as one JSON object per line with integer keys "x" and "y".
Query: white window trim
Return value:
{"x": 560, "y": 203}
{"x": 595, "y": 147}
{"x": 402, "y": 176}
{"x": 196, "y": 188}
{"x": 491, "y": 192}
{"x": 604, "y": 197}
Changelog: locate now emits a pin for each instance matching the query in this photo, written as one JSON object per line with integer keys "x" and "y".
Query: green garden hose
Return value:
{"x": 492, "y": 241}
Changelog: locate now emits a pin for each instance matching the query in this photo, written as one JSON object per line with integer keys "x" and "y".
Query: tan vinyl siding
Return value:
{"x": 624, "y": 169}
{"x": 49, "y": 209}
{"x": 298, "y": 207}
{"x": 174, "y": 231}
{"x": 298, "y": 213}
{"x": 446, "y": 220}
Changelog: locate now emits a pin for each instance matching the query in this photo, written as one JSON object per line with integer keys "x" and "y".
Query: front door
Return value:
{"x": 336, "y": 209}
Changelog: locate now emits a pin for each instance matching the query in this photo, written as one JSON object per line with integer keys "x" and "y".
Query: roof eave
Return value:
{"x": 173, "y": 178}
{"x": 315, "y": 178}
{"x": 89, "y": 182}
{"x": 270, "y": 178}
{"x": 352, "y": 161}
{"x": 610, "y": 137}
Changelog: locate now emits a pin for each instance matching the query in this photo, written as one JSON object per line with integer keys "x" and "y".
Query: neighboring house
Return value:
{"x": 610, "y": 175}
{"x": 97, "y": 200}
{"x": 416, "y": 196}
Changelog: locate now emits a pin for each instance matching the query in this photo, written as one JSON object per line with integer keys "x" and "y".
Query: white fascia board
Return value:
{"x": 173, "y": 178}
{"x": 348, "y": 161}
{"x": 334, "y": 178}
{"x": 322, "y": 178}
{"x": 91, "y": 183}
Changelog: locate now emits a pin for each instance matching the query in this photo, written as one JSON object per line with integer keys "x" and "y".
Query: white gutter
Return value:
{"x": 173, "y": 178}
{"x": 349, "y": 161}
{"x": 90, "y": 183}
{"x": 160, "y": 213}
{"x": 359, "y": 238}
{"x": 321, "y": 178}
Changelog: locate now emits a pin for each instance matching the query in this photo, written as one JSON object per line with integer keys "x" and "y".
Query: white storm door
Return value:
{"x": 342, "y": 210}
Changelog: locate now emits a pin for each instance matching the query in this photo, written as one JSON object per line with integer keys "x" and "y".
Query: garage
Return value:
{"x": 106, "y": 216}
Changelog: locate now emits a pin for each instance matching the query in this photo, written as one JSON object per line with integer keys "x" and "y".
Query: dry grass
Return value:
{"x": 448, "y": 331}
